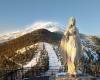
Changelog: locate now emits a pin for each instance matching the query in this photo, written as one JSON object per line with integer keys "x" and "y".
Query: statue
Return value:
{"x": 71, "y": 46}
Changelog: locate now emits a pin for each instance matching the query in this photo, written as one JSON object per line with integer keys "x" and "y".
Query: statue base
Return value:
{"x": 65, "y": 76}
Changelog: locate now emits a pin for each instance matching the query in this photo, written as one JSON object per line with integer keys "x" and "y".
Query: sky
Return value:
{"x": 17, "y": 14}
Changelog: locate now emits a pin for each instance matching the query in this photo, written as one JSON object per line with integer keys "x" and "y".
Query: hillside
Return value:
{"x": 41, "y": 35}
{"x": 42, "y": 43}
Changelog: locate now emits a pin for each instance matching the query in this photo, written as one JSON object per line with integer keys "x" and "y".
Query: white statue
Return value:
{"x": 71, "y": 46}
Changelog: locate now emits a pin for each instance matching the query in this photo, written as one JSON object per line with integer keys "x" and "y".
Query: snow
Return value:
{"x": 88, "y": 49}
{"x": 95, "y": 55}
{"x": 85, "y": 55}
{"x": 61, "y": 74}
{"x": 51, "y": 26}
{"x": 79, "y": 72}
{"x": 54, "y": 63}
{"x": 33, "y": 61}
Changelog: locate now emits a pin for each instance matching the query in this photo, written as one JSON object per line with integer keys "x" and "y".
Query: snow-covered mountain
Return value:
{"x": 51, "y": 26}
{"x": 45, "y": 31}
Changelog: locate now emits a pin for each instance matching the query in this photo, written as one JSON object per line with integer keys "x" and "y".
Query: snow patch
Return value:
{"x": 33, "y": 62}
{"x": 51, "y": 26}
{"x": 54, "y": 63}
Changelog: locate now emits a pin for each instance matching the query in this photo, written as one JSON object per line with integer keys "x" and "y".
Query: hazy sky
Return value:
{"x": 16, "y": 14}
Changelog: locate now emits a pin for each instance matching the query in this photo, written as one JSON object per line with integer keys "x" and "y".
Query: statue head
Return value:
{"x": 72, "y": 21}
{"x": 71, "y": 28}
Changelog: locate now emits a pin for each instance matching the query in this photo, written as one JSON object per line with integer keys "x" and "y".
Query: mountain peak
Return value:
{"x": 51, "y": 26}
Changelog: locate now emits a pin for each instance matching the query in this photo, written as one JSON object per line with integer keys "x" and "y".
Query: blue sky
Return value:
{"x": 16, "y": 14}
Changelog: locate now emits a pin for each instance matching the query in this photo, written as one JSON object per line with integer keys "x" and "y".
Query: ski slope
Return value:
{"x": 54, "y": 63}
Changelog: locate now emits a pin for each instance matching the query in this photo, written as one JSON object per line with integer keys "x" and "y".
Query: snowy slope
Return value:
{"x": 33, "y": 62}
{"x": 89, "y": 50}
{"x": 54, "y": 63}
